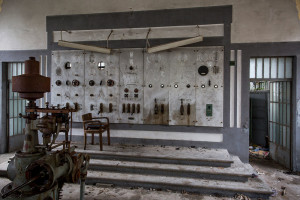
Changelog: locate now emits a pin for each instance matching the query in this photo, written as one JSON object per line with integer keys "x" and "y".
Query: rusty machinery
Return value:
{"x": 37, "y": 171}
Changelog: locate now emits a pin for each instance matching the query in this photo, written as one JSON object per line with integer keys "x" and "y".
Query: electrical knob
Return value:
{"x": 75, "y": 83}
{"x": 110, "y": 83}
{"x": 92, "y": 83}
{"x": 58, "y": 83}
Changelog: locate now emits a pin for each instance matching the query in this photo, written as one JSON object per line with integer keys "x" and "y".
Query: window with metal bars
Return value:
{"x": 16, "y": 105}
{"x": 262, "y": 68}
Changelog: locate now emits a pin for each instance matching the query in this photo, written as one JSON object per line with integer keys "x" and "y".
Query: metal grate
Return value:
{"x": 280, "y": 113}
{"x": 16, "y": 105}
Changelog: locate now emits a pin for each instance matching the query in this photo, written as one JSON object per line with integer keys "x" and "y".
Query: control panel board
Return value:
{"x": 182, "y": 86}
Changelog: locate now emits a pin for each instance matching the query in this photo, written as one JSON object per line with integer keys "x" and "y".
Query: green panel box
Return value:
{"x": 209, "y": 110}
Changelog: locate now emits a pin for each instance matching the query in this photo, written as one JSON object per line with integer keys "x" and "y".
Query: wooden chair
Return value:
{"x": 94, "y": 125}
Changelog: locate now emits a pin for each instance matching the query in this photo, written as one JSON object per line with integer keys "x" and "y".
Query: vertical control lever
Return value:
{"x": 188, "y": 109}
{"x": 123, "y": 108}
{"x": 155, "y": 107}
{"x": 101, "y": 108}
{"x": 110, "y": 107}
{"x": 138, "y": 108}
{"x": 133, "y": 109}
{"x": 181, "y": 108}
{"x": 162, "y": 108}
{"x": 128, "y": 108}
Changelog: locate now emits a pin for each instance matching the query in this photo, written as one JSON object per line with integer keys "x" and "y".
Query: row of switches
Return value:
{"x": 131, "y": 108}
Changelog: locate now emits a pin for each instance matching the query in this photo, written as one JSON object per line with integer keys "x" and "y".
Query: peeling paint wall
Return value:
{"x": 23, "y": 23}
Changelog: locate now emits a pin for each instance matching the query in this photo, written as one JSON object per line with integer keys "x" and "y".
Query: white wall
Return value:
{"x": 23, "y": 23}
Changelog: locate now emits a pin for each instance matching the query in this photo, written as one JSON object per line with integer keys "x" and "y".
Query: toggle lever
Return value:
{"x": 162, "y": 108}
{"x": 181, "y": 108}
{"x": 155, "y": 107}
{"x": 133, "y": 109}
{"x": 101, "y": 108}
{"x": 188, "y": 109}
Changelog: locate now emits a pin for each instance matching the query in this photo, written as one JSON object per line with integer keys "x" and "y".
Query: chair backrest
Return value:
{"x": 87, "y": 117}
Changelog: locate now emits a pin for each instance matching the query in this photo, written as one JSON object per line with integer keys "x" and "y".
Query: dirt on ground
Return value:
{"x": 284, "y": 183}
{"x": 100, "y": 192}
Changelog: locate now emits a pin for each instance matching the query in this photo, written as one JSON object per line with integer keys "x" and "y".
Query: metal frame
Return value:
{"x": 280, "y": 142}
{"x": 14, "y": 66}
{"x": 270, "y": 64}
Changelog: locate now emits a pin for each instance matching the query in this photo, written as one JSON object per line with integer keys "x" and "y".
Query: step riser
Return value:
{"x": 160, "y": 160}
{"x": 209, "y": 191}
{"x": 161, "y": 172}
{"x": 3, "y": 174}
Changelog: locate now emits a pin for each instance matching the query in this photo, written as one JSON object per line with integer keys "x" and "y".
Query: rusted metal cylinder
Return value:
{"x": 31, "y": 85}
{"x": 32, "y": 66}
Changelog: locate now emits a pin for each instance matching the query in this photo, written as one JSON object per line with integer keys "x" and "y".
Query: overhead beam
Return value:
{"x": 83, "y": 47}
{"x": 175, "y": 44}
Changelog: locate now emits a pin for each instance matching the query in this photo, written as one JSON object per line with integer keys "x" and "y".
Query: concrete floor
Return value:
{"x": 272, "y": 173}
{"x": 276, "y": 177}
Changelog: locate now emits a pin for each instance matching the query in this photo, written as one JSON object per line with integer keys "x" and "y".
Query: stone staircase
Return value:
{"x": 205, "y": 171}
{"x": 198, "y": 170}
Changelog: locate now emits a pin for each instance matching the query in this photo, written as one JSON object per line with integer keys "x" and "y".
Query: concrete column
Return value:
{"x": 3, "y": 111}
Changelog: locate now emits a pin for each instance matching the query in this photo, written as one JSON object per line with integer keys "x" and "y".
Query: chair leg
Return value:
{"x": 92, "y": 138}
{"x": 108, "y": 136}
{"x": 84, "y": 141}
{"x": 100, "y": 141}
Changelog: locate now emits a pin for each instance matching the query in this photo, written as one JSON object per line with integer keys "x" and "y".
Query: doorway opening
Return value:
{"x": 15, "y": 106}
{"x": 270, "y": 108}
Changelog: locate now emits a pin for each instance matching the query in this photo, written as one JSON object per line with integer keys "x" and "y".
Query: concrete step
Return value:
{"x": 254, "y": 188}
{"x": 237, "y": 172}
{"x": 198, "y": 157}
{"x": 3, "y": 168}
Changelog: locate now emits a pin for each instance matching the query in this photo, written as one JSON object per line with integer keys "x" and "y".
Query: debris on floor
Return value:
{"x": 284, "y": 185}
{"x": 283, "y": 191}
{"x": 259, "y": 151}
{"x": 275, "y": 193}
{"x": 241, "y": 197}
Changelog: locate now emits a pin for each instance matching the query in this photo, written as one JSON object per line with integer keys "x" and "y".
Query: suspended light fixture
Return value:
{"x": 174, "y": 44}
{"x": 84, "y": 47}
